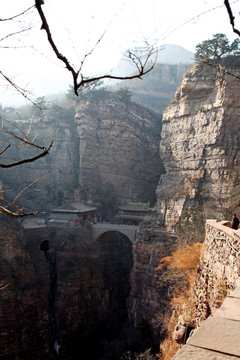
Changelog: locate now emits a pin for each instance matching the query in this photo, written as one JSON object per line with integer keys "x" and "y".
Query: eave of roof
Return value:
{"x": 129, "y": 217}
{"x": 76, "y": 208}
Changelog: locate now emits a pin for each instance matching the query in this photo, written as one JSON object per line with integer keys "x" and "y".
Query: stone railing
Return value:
{"x": 219, "y": 269}
{"x": 222, "y": 251}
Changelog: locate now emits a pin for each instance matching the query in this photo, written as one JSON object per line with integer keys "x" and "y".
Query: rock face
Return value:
{"x": 57, "y": 172}
{"x": 157, "y": 88}
{"x": 148, "y": 296}
{"x": 111, "y": 140}
{"x": 118, "y": 144}
{"x": 64, "y": 289}
{"x": 199, "y": 143}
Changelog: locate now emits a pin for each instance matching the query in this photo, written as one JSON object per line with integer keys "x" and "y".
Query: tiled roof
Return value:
{"x": 75, "y": 207}
{"x": 63, "y": 216}
{"x": 135, "y": 206}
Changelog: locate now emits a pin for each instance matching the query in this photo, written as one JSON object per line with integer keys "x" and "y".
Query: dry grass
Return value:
{"x": 184, "y": 261}
{"x": 168, "y": 349}
{"x": 185, "y": 258}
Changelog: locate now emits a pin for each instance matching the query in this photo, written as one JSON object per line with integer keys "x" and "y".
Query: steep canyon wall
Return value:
{"x": 119, "y": 145}
{"x": 95, "y": 299}
{"x": 199, "y": 143}
{"x": 110, "y": 140}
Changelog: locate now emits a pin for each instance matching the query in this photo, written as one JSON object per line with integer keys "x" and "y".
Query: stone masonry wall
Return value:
{"x": 219, "y": 268}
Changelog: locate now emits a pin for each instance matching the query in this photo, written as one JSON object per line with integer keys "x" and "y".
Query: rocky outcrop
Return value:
{"x": 199, "y": 143}
{"x": 111, "y": 140}
{"x": 118, "y": 144}
{"x": 148, "y": 295}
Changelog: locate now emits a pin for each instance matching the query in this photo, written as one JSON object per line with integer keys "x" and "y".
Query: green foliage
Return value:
{"x": 125, "y": 94}
{"x": 40, "y": 105}
{"x": 217, "y": 50}
{"x": 94, "y": 90}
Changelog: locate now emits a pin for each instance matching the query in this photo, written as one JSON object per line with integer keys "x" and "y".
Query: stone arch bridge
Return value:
{"x": 101, "y": 228}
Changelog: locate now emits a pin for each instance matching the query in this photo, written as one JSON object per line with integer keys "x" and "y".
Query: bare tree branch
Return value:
{"x": 3, "y": 151}
{"x": 11, "y": 208}
{"x": 141, "y": 66}
{"x": 24, "y": 161}
{"x": 26, "y": 187}
{"x": 231, "y": 17}
{"x": 19, "y": 212}
{"x": 38, "y": 4}
{"x": 15, "y": 16}
{"x": 22, "y": 91}
{"x": 13, "y": 34}
{"x": 24, "y": 138}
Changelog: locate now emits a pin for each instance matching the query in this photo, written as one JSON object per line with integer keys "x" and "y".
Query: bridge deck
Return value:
{"x": 128, "y": 230}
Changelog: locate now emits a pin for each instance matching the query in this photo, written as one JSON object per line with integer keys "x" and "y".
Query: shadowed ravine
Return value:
{"x": 74, "y": 297}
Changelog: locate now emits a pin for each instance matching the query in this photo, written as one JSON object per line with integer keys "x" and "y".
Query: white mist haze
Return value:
{"x": 77, "y": 27}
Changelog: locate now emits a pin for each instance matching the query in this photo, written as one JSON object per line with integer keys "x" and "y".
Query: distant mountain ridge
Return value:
{"x": 167, "y": 54}
{"x": 174, "y": 55}
{"x": 155, "y": 89}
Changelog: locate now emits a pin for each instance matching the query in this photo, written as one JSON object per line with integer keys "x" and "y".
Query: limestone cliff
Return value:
{"x": 119, "y": 145}
{"x": 57, "y": 172}
{"x": 157, "y": 88}
{"x": 111, "y": 140}
{"x": 199, "y": 143}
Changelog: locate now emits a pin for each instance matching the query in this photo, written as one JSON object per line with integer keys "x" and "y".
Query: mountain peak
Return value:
{"x": 174, "y": 54}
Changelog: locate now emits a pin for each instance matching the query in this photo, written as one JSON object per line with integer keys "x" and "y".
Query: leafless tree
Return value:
{"x": 12, "y": 136}
{"x": 141, "y": 58}
{"x": 231, "y": 17}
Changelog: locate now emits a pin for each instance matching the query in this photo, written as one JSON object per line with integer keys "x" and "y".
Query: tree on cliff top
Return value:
{"x": 216, "y": 49}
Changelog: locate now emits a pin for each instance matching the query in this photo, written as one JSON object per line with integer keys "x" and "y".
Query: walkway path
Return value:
{"x": 218, "y": 338}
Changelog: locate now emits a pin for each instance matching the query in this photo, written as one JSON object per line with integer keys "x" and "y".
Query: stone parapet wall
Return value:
{"x": 222, "y": 251}
{"x": 219, "y": 268}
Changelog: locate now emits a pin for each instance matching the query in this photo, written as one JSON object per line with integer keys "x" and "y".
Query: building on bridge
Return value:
{"x": 71, "y": 214}
{"x": 133, "y": 212}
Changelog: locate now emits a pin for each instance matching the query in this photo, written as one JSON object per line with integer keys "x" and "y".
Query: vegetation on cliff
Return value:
{"x": 218, "y": 50}
{"x": 179, "y": 271}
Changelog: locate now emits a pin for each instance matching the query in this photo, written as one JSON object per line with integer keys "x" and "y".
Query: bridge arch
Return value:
{"x": 128, "y": 230}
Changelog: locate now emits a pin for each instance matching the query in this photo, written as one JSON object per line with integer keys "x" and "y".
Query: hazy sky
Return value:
{"x": 77, "y": 26}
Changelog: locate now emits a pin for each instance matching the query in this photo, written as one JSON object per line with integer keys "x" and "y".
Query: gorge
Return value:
{"x": 68, "y": 295}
